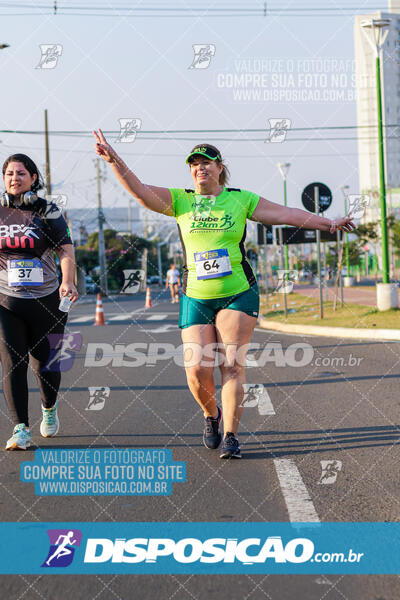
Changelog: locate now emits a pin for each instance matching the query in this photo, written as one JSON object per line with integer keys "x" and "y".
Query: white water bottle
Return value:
{"x": 65, "y": 304}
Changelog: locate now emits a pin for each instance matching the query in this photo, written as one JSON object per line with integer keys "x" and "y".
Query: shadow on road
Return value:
{"x": 341, "y": 378}
{"x": 255, "y": 445}
{"x": 319, "y": 441}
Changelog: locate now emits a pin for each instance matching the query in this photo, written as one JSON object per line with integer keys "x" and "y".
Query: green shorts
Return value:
{"x": 202, "y": 312}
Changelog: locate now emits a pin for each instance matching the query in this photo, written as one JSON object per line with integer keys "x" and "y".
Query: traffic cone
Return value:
{"x": 99, "y": 318}
{"x": 148, "y": 303}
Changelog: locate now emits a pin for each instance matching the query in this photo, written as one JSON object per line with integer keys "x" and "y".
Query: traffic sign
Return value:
{"x": 324, "y": 194}
{"x": 264, "y": 234}
{"x": 292, "y": 235}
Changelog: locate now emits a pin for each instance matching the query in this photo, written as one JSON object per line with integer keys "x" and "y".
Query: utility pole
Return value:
{"x": 130, "y": 216}
{"x": 46, "y": 137}
{"x": 159, "y": 244}
{"x": 144, "y": 268}
{"x": 339, "y": 278}
{"x": 321, "y": 304}
{"x": 376, "y": 31}
{"x": 285, "y": 273}
{"x": 266, "y": 264}
{"x": 345, "y": 189}
{"x": 284, "y": 168}
{"x": 101, "y": 220}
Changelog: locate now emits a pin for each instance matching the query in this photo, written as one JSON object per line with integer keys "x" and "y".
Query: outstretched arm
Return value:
{"x": 155, "y": 198}
{"x": 270, "y": 213}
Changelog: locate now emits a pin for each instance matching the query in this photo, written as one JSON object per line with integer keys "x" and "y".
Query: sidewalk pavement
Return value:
{"x": 357, "y": 294}
{"x": 323, "y": 331}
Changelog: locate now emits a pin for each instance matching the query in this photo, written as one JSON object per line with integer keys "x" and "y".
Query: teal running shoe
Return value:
{"x": 50, "y": 423}
{"x": 21, "y": 438}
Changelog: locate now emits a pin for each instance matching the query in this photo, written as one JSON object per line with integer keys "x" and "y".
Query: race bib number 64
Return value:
{"x": 213, "y": 263}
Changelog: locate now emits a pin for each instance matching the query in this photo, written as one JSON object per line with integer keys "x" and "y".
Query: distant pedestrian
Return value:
{"x": 173, "y": 282}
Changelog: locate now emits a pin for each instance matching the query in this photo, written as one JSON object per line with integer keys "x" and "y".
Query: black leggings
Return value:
{"x": 24, "y": 326}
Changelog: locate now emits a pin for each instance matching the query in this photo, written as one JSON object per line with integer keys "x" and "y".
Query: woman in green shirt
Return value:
{"x": 220, "y": 302}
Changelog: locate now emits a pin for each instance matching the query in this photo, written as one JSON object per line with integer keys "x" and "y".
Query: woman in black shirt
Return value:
{"x": 31, "y": 324}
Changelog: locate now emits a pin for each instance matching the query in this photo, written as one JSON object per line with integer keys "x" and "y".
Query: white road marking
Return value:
{"x": 81, "y": 319}
{"x": 161, "y": 329}
{"x": 295, "y": 494}
{"x": 265, "y": 404}
{"x": 123, "y": 317}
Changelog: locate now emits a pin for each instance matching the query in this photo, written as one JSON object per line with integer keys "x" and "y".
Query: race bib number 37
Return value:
{"x": 25, "y": 272}
{"x": 213, "y": 263}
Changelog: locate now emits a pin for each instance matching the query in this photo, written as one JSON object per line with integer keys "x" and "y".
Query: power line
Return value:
{"x": 263, "y": 139}
{"x": 141, "y": 8}
{"x": 140, "y": 132}
{"x": 187, "y": 11}
{"x": 259, "y": 6}
{"x": 176, "y": 155}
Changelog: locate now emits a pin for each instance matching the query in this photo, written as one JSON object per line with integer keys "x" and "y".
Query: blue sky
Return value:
{"x": 138, "y": 67}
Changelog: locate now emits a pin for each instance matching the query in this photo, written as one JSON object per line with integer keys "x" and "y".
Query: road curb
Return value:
{"x": 341, "y": 332}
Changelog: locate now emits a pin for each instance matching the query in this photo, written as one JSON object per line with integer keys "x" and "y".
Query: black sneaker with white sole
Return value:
{"x": 211, "y": 435}
{"x": 230, "y": 446}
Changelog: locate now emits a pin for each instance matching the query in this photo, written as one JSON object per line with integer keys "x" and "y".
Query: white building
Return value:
{"x": 367, "y": 118}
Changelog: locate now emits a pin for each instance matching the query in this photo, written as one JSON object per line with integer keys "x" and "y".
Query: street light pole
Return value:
{"x": 284, "y": 168}
{"x": 380, "y": 29}
{"x": 159, "y": 244}
{"x": 47, "y": 147}
{"x": 130, "y": 216}
{"x": 385, "y": 246}
{"x": 100, "y": 220}
{"x": 344, "y": 189}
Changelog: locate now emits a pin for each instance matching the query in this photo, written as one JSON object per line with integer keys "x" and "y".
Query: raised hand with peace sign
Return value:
{"x": 103, "y": 148}
{"x": 152, "y": 197}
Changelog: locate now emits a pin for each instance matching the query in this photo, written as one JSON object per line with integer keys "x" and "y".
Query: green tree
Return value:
{"x": 166, "y": 261}
{"x": 355, "y": 252}
{"x": 368, "y": 234}
{"x": 395, "y": 236}
{"x": 122, "y": 252}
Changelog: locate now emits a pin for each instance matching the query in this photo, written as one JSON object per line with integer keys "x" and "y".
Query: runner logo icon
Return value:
{"x": 63, "y": 347}
{"x": 132, "y": 281}
{"x": 203, "y": 54}
{"x": 97, "y": 398}
{"x": 63, "y": 543}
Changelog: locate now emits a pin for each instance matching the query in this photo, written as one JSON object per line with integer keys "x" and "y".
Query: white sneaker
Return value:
{"x": 21, "y": 438}
{"x": 50, "y": 423}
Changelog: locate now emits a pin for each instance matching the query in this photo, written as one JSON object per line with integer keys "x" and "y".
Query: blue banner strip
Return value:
{"x": 200, "y": 548}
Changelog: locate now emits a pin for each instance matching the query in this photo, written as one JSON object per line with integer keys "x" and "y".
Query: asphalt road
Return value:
{"x": 329, "y": 400}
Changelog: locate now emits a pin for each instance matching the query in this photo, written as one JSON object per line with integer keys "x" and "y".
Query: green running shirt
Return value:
{"x": 212, "y": 230}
